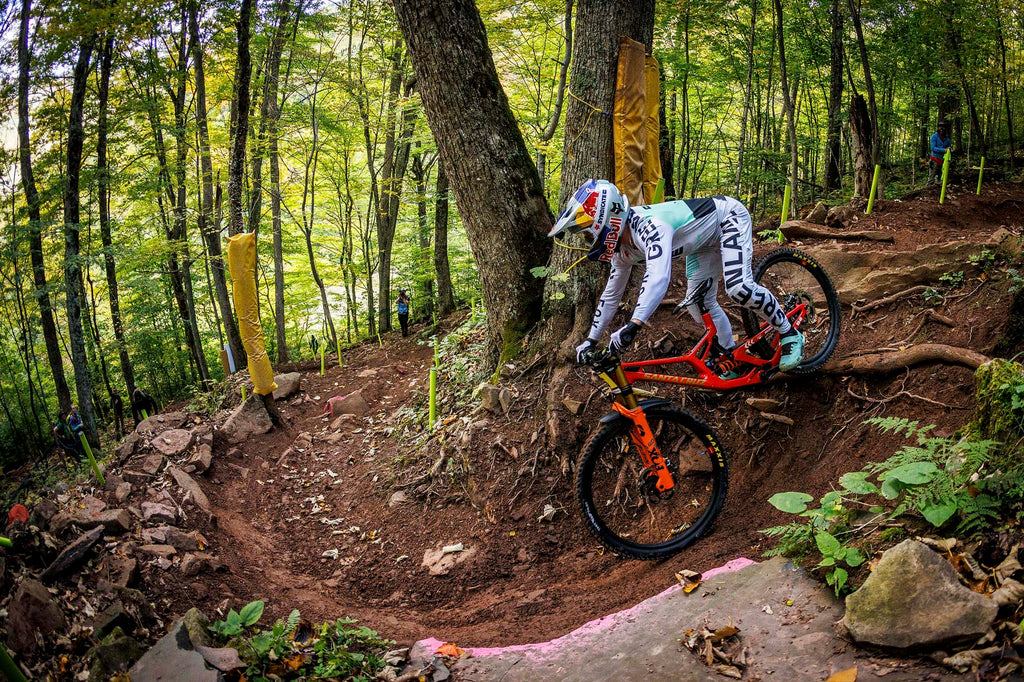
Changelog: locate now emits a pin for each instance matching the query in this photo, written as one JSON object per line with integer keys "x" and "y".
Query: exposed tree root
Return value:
{"x": 874, "y": 362}
{"x": 801, "y": 229}
{"x": 889, "y": 299}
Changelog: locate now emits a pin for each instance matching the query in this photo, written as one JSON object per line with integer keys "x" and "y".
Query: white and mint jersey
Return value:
{"x": 661, "y": 233}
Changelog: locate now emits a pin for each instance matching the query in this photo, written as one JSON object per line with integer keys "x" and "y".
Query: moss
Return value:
{"x": 511, "y": 340}
{"x": 996, "y": 384}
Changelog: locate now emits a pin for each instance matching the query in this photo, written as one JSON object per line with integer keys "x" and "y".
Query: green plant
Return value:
{"x": 985, "y": 260}
{"x": 292, "y": 649}
{"x": 1016, "y": 280}
{"x": 236, "y": 622}
{"x": 933, "y": 297}
{"x": 934, "y": 477}
{"x": 953, "y": 279}
{"x": 772, "y": 235}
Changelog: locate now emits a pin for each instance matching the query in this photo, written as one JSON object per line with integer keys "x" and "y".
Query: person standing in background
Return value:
{"x": 940, "y": 142}
{"x": 403, "y": 312}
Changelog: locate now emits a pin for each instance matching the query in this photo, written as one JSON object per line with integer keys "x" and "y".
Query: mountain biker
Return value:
{"x": 713, "y": 235}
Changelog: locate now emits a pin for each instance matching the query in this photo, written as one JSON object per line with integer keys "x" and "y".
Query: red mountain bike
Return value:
{"x": 654, "y": 477}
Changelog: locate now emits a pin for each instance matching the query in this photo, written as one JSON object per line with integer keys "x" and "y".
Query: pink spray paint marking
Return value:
{"x": 425, "y": 648}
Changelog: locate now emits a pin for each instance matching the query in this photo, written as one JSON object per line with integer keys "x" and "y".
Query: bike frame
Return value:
{"x": 752, "y": 369}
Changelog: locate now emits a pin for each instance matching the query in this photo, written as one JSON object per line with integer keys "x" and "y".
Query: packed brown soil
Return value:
{"x": 529, "y": 580}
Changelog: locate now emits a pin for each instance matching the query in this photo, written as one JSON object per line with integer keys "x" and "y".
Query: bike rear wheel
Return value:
{"x": 617, "y": 503}
{"x": 794, "y": 277}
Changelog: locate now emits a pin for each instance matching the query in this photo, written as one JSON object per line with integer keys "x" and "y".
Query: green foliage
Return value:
{"x": 292, "y": 649}
{"x": 937, "y": 479}
{"x": 985, "y": 260}
{"x": 236, "y": 622}
{"x": 772, "y": 235}
{"x": 1016, "y": 280}
{"x": 933, "y": 297}
{"x": 953, "y": 279}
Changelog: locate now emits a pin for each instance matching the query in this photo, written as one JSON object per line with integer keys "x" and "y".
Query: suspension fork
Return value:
{"x": 625, "y": 403}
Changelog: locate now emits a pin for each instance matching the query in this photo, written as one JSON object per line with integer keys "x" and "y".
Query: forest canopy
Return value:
{"x": 122, "y": 138}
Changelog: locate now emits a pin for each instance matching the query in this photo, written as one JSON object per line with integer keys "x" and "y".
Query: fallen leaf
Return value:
{"x": 449, "y": 649}
{"x": 728, "y": 671}
{"x": 724, "y": 633}
{"x": 848, "y": 675}
{"x": 767, "y": 609}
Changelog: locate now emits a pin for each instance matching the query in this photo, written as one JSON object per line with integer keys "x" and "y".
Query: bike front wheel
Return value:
{"x": 616, "y": 497}
{"x": 794, "y": 277}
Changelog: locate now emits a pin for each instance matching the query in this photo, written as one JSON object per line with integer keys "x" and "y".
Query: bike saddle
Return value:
{"x": 696, "y": 298}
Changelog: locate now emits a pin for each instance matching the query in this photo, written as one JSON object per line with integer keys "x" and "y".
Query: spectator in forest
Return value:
{"x": 75, "y": 421}
{"x": 118, "y": 407}
{"x": 65, "y": 439}
{"x": 403, "y": 312}
{"x": 940, "y": 143}
{"x": 142, "y": 401}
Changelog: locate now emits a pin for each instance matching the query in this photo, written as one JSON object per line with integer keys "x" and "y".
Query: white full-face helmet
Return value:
{"x": 598, "y": 211}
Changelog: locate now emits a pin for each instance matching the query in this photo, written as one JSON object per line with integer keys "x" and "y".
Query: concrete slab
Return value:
{"x": 786, "y": 620}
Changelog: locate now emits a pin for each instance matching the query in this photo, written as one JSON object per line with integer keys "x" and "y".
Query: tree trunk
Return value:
{"x": 588, "y": 148}
{"x": 556, "y": 111}
{"x": 835, "y": 96}
{"x": 103, "y": 191}
{"x": 665, "y": 151}
{"x": 442, "y": 270}
{"x": 240, "y": 124}
{"x": 482, "y": 149}
{"x": 72, "y": 224}
{"x": 425, "y": 295}
{"x": 209, "y": 222}
{"x": 789, "y": 106}
{"x": 861, "y": 134}
{"x": 32, "y": 200}
{"x": 748, "y": 95}
{"x": 875, "y": 150}
{"x": 1006, "y": 95}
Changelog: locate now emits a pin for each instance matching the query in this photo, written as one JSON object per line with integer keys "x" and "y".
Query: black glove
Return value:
{"x": 623, "y": 338}
{"x": 584, "y": 352}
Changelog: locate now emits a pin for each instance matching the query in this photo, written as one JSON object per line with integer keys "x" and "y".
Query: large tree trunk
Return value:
{"x": 103, "y": 191}
{"x": 209, "y": 223}
{"x": 1006, "y": 95}
{"x": 494, "y": 179}
{"x": 835, "y": 95}
{"x": 861, "y": 134}
{"x": 33, "y": 202}
{"x": 72, "y": 224}
{"x": 442, "y": 270}
{"x": 240, "y": 123}
{"x": 588, "y": 148}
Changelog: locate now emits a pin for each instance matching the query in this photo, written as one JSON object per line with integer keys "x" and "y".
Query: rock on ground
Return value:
{"x": 249, "y": 419}
{"x": 353, "y": 403}
{"x": 913, "y": 600}
{"x": 73, "y": 554}
{"x": 189, "y": 485}
{"x": 817, "y": 214}
{"x": 286, "y": 384}
{"x": 173, "y": 442}
{"x": 159, "y": 513}
{"x": 494, "y": 399}
{"x": 31, "y": 613}
{"x": 793, "y": 639}
{"x": 159, "y": 423}
{"x": 173, "y": 658}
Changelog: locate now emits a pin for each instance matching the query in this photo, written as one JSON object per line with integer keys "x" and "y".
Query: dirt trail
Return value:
{"x": 530, "y": 581}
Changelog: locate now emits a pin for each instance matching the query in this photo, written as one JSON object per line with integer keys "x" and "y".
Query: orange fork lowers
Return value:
{"x": 641, "y": 433}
